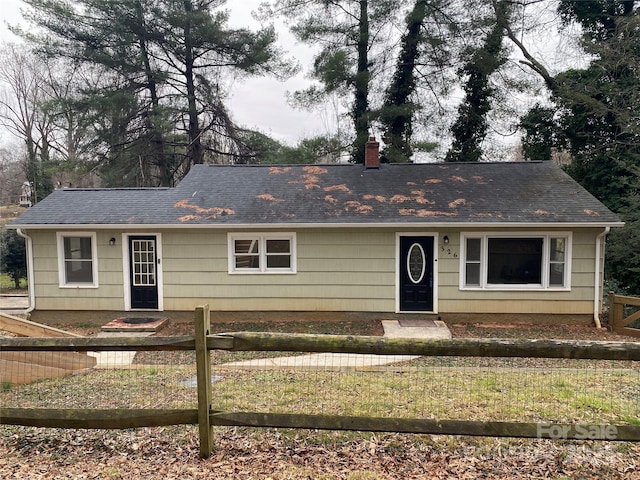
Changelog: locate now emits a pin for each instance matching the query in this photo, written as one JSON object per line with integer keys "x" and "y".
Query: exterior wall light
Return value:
{"x": 445, "y": 239}
{"x": 112, "y": 241}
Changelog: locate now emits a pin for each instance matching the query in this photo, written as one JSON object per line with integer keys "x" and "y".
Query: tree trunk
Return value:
{"x": 154, "y": 122}
{"x": 195, "y": 153}
{"x": 361, "y": 103}
{"x": 398, "y": 121}
{"x": 470, "y": 128}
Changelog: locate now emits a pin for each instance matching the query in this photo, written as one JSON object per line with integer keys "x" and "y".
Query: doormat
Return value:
{"x": 135, "y": 324}
{"x": 416, "y": 323}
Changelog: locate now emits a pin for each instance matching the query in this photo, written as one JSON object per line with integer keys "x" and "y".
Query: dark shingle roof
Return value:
{"x": 450, "y": 193}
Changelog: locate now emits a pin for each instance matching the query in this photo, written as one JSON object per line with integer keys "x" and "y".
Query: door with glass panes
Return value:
{"x": 143, "y": 272}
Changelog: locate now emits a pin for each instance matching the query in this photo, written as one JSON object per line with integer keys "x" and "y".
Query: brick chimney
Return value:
{"x": 372, "y": 154}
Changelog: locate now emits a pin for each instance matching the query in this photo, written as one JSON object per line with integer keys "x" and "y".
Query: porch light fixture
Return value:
{"x": 445, "y": 239}
{"x": 112, "y": 241}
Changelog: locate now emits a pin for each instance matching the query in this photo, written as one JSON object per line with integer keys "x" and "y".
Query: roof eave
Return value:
{"x": 227, "y": 226}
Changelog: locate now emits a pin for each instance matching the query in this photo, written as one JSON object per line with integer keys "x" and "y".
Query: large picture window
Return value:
{"x": 272, "y": 253}
{"x": 77, "y": 263}
{"x": 505, "y": 261}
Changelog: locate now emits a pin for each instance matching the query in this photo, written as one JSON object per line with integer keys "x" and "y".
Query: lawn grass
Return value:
{"x": 582, "y": 396}
{"x": 144, "y": 387}
{"x": 8, "y": 285}
{"x": 500, "y": 393}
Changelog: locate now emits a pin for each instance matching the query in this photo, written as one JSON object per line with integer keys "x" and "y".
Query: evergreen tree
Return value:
{"x": 346, "y": 32}
{"x": 598, "y": 114}
{"x": 398, "y": 111}
{"x": 164, "y": 60}
{"x": 540, "y": 133}
{"x": 13, "y": 257}
{"x": 470, "y": 128}
{"x": 320, "y": 149}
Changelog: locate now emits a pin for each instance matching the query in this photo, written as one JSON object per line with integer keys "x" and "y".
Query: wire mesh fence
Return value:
{"x": 456, "y": 388}
{"x": 489, "y": 387}
{"x": 118, "y": 379}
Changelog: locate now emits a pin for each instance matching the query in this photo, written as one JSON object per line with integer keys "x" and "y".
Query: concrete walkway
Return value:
{"x": 118, "y": 358}
{"x": 436, "y": 329}
{"x": 347, "y": 361}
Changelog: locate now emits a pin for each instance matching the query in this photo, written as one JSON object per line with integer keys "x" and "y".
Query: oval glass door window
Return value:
{"x": 416, "y": 264}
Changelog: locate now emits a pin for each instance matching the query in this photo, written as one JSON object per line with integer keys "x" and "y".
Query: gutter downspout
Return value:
{"x": 32, "y": 292}
{"x": 596, "y": 296}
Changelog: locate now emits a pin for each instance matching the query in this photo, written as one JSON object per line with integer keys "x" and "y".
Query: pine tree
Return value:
{"x": 164, "y": 61}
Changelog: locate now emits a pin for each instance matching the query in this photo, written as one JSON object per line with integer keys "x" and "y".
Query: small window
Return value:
{"x": 472, "y": 264}
{"x": 77, "y": 260}
{"x": 144, "y": 263}
{"x": 246, "y": 254}
{"x": 278, "y": 253}
{"x": 262, "y": 253}
{"x": 557, "y": 261}
{"x": 416, "y": 263}
{"x": 528, "y": 262}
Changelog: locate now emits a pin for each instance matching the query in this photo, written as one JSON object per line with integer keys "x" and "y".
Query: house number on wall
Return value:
{"x": 448, "y": 251}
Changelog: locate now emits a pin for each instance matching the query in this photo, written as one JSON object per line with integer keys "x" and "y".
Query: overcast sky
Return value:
{"x": 258, "y": 103}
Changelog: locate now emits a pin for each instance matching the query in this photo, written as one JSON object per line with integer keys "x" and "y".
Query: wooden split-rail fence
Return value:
{"x": 206, "y": 417}
{"x": 618, "y": 320}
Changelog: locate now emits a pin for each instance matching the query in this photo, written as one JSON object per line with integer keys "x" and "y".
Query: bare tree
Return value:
{"x": 11, "y": 175}
{"x": 21, "y": 113}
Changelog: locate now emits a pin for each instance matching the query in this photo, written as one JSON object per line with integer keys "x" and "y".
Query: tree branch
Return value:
{"x": 532, "y": 63}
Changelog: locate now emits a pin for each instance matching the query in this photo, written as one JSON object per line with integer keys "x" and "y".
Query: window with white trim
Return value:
{"x": 507, "y": 261}
{"x": 262, "y": 253}
{"x": 77, "y": 260}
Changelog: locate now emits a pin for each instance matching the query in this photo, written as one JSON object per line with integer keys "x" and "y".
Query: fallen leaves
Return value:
{"x": 199, "y": 212}
{"x": 270, "y": 198}
{"x": 245, "y": 453}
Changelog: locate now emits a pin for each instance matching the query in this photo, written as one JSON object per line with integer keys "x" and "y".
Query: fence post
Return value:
{"x": 203, "y": 365}
{"x": 612, "y": 309}
{"x": 616, "y": 311}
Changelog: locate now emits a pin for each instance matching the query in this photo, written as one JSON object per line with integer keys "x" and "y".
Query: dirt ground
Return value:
{"x": 296, "y": 323}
